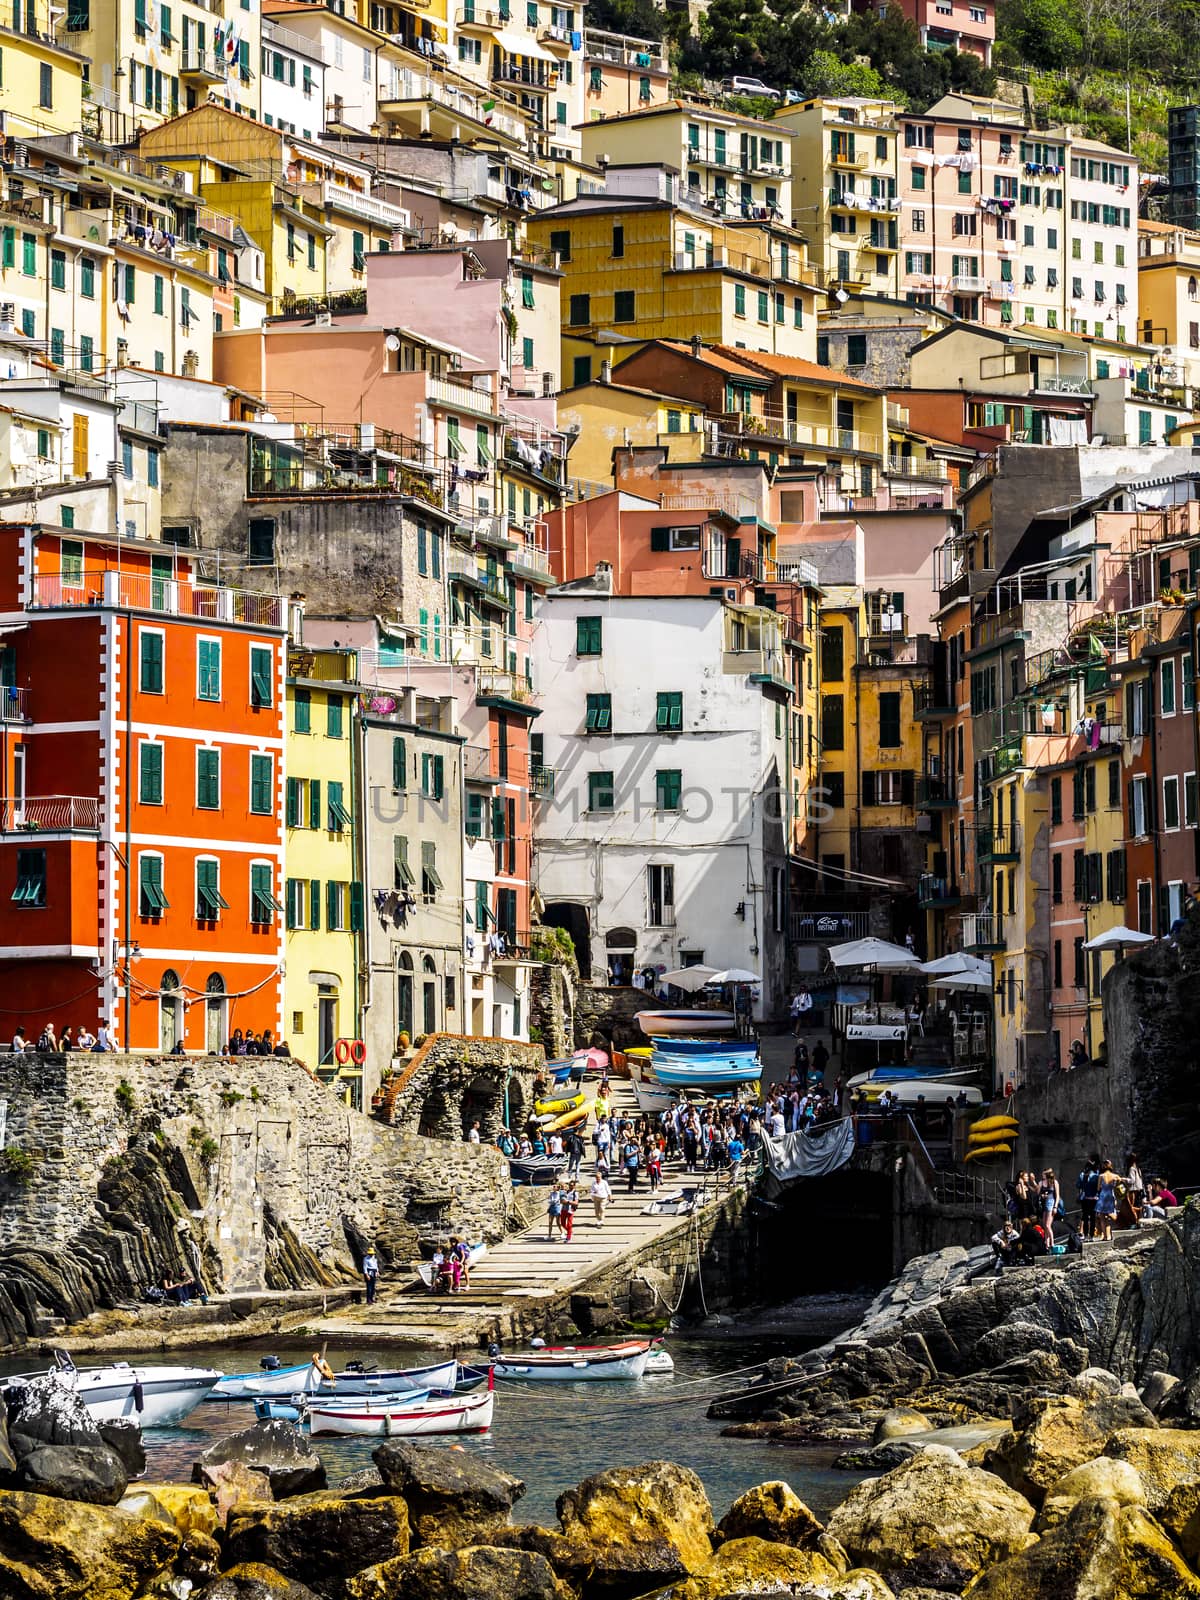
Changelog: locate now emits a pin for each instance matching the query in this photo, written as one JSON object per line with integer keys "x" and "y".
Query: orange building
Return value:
{"x": 141, "y": 768}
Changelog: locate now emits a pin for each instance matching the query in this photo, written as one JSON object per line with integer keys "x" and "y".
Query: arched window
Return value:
{"x": 215, "y": 1009}
{"x": 170, "y": 1011}
{"x": 427, "y": 964}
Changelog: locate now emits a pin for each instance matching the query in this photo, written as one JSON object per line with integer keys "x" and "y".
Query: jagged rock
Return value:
{"x": 774, "y": 1512}
{"x": 368, "y": 1480}
{"x": 472, "y": 1573}
{"x": 232, "y": 1483}
{"x": 1163, "y": 1458}
{"x": 93, "y": 1473}
{"x": 1094, "y": 1382}
{"x": 642, "y": 1526}
{"x": 60, "y": 1550}
{"x": 1157, "y": 1390}
{"x": 1012, "y": 1339}
{"x": 877, "y": 1457}
{"x": 199, "y": 1557}
{"x": 1053, "y": 1436}
{"x": 751, "y": 1566}
{"x": 453, "y": 1498}
{"x": 1181, "y": 1518}
{"x": 189, "y": 1508}
{"x": 932, "y": 1521}
{"x": 254, "y": 1582}
{"x": 141, "y": 1503}
{"x": 319, "y": 1539}
{"x": 125, "y": 1437}
{"x": 45, "y": 1411}
{"x": 1099, "y": 1479}
{"x": 276, "y": 1449}
{"x": 1100, "y": 1552}
{"x": 899, "y": 1423}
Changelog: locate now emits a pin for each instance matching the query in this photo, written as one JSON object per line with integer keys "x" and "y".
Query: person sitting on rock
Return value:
{"x": 1031, "y": 1246}
{"x": 1004, "y": 1243}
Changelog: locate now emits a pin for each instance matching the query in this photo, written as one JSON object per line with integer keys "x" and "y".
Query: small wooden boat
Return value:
{"x": 425, "y": 1273}
{"x": 657, "y": 1024}
{"x": 653, "y": 1097}
{"x": 575, "y": 1363}
{"x": 469, "y": 1379}
{"x": 713, "y": 1072}
{"x": 316, "y": 1378}
{"x": 294, "y": 1408}
{"x": 402, "y": 1419}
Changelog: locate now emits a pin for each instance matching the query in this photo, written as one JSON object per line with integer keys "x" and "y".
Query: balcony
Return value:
{"x": 998, "y": 844}
{"x": 932, "y": 700}
{"x": 914, "y": 471}
{"x": 770, "y": 424}
{"x": 828, "y": 927}
{"x": 465, "y": 569}
{"x": 337, "y": 198}
{"x": 138, "y": 591}
{"x": 202, "y": 66}
{"x": 529, "y": 562}
{"x": 505, "y": 691}
{"x": 459, "y": 396}
{"x": 530, "y": 78}
{"x": 443, "y": 104}
{"x": 840, "y": 156}
{"x": 55, "y": 813}
{"x": 557, "y": 39}
{"x": 964, "y": 284}
{"x": 761, "y": 666}
{"x": 14, "y": 703}
{"x": 477, "y": 765}
{"x": 934, "y": 793}
{"x": 935, "y": 893}
{"x": 541, "y": 781}
{"x": 623, "y": 51}
{"x": 982, "y": 932}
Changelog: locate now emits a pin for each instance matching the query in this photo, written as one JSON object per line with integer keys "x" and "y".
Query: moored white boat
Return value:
{"x": 659, "y": 1362}
{"x": 576, "y": 1363}
{"x": 154, "y": 1397}
{"x": 403, "y": 1419}
{"x": 315, "y": 1378}
{"x": 655, "y": 1023}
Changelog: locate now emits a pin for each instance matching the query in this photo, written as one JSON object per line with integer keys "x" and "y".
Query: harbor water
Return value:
{"x": 549, "y": 1434}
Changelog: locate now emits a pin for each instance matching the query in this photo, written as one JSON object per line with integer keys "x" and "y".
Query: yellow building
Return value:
{"x": 1168, "y": 295}
{"x": 608, "y": 416}
{"x": 324, "y": 894}
{"x": 733, "y": 166}
{"x": 23, "y": 267}
{"x": 844, "y": 188}
{"x": 642, "y": 268}
{"x": 151, "y": 60}
{"x": 43, "y": 81}
{"x": 622, "y": 74}
{"x": 310, "y": 210}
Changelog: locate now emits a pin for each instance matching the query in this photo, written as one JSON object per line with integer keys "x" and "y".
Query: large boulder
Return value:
{"x": 1099, "y": 1479}
{"x": 1102, "y": 1551}
{"x": 254, "y": 1582}
{"x": 93, "y": 1473}
{"x": 1163, "y": 1458}
{"x": 771, "y": 1511}
{"x": 232, "y": 1484}
{"x": 756, "y": 1566}
{"x": 125, "y": 1437}
{"x": 454, "y": 1498}
{"x": 1181, "y": 1518}
{"x": 1054, "y": 1435}
{"x": 58, "y": 1550}
{"x": 277, "y": 1450}
{"x": 934, "y": 1520}
{"x": 319, "y": 1539}
{"x": 640, "y": 1527}
{"x": 189, "y": 1508}
{"x": 474, "y": 1573}
{"x": 899, "y": 1423}
{"x": 45, "y": 1411}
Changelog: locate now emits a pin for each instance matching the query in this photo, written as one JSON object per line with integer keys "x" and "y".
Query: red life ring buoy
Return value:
{"x": 358, "y": 1052}
{"x": 341, "y": 1052}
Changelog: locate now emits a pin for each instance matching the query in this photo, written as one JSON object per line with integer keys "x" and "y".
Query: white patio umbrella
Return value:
{"x": 689, "y": 978}
{"x": 1118, "y": 938}
{"x": 735, "y": 975}
{"x": 963, "y": 980}
{"x": 877, "y": 953}
{"x": 955, "y": 964}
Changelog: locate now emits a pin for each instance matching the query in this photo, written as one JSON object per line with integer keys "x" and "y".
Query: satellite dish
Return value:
{"x": 841, "y": 296}
{"x": 392, "y": 343}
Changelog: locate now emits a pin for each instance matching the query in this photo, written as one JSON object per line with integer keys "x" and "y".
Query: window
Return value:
{"x": 1116, "y": 876}
{"x": 1170, "y": 820}
{"x": 1137, "y": 718}
{"x": 885, "y": 788}
{"x": 208, "y": 779}
{"x": 260, "y": 676}
{"x": 599, "y": 713}
{"x": 260, "y": 542}
{"x": 1056, "y": 883}
{"x": 295, "y": 902}
{"x": 600, "y": 791}
{"x": 430, "y": 881}
{"x": 31, "y": 879}
{"x": 832, "y": 722}
{"x": 832, "y": 659}
{"x": 46, "y": 86}
{"x": 917, "y": 221}
{"x": 402, "y": 874}
{"x": 58, "y": 269}
{"x": 580, "y": 310}
{"x": 1189, "y": 800}
{"x": 1166, "y": 683}
{"x": 208, "y": 669}
{"x": 623, "y": 305}
{"x": 150, "y": 658}
{"x": 336, "y": 897}
{"x": 669, "y": 713}
{"x": 263, "y": 904}
{"x": 588, "y": 636}
{"x": 764, "y": 306}
{"x": 889, "y": 720}
{"x": 150, "y": 773}
{"x": 1139, "y": 806}
{"x": 302, "y": 711}
{"x": 262, "y": 785}
{"x": 1056, "y": 810}
{"x": 1145, "y": 907}
{"x": 152, "y": 902}
{"x": 560, "y": 238}
{"x": 210, "y": 902}
{"x": 856, "y": 350}
{"x": 660, "y": 897}
{"x": 399, "y": 766}
{"x": 668, "y": 786}
{"x": 433, "y": 775}
{"x": 618, "y": 239}
{"x": 333, "y": 717}
{"x": 476, "y": 816}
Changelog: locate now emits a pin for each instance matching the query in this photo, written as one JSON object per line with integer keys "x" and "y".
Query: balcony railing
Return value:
{"x": 934, "y": 792}
{"x": 138, "y": 591}
{"x": 14, "y": 703}
{"x": 194, "y": 63}
{"x": 828, "y": 927}
{"x": 497, "y": 685}
{"x": 933, "y": 891}
{"x": 765, "y": 425}
{"x": 623, "y": 51}
{"x": 460, "y": 396}
{"x": 932, "y": 700}
{"x": 466, "y": 569}
{"x": 55, "y": 813}
{"x": 339, "y": 198}
{"x": 920, "y": 471}
{"x": 999, "y": 843}
{"x": 982, "y": 930}
{"x": 541, "y": 780}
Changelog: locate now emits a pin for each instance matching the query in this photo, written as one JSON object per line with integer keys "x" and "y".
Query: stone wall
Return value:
{"x": 552, "y": 1008}
{"x": 271, "y": 1152}
{"x": 607, "y": 1012}
{"x": 454, "y": 1080}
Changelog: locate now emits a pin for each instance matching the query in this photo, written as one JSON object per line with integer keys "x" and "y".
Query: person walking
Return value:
{"x": 370, "y": 1272}
{"x": 631, "y": 1160}
{"x": 573, "y": 1145}
{"x": 570, "y": 1204}
{"x": 601, "y": 1195}
{"x": 820, "y": 1059}
{"x": 553, "y": 1213}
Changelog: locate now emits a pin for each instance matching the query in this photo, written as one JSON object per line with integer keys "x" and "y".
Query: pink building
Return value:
{"x": 968, "y": 26}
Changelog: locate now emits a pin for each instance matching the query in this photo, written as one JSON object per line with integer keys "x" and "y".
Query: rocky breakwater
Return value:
{"x": 950, "y": 1343}
{"x": 1078, "y": 1502}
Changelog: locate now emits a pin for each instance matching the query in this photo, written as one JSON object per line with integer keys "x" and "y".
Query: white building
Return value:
{"x": 293, "y": 81}
{"x": 665, "y": 725}
{"x": 1101, "y": 266}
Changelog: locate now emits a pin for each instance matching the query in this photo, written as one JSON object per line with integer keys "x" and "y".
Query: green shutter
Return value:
{"x": 260, "y": 677}
{"x": 208, "y": 779}
{"x": 399, "y": 764}
{"x": 150, "y": 789}
{"x": 314, "y": 904}
{"x": 293, "y": 902}
{"x": 260, "y": 785}
{"x": 303, "y": 711}
{"x": 314, "y": 803}
{"x": 209, "y": 669}
{"x": 356, "y": 908}
{"x": 151, "y": 654}
{"x": 333, "y": 717}
{"x": 293, "y": 802}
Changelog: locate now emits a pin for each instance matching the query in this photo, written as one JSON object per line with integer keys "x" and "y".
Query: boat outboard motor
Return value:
{"x": 494, "y": 1351}
{"x": 270, "y": 1363}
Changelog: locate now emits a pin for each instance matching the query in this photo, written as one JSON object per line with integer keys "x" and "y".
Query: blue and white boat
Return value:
{"x": 713, "y": 1072}
{"x": 707, "y": 1047}
{"x": 316, "y": 1378}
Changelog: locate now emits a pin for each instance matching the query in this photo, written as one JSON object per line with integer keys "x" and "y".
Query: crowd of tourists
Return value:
{"x": 1038, "y": 1223}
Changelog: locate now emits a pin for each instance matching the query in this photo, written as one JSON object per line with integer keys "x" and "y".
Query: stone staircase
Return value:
{"x": 523, "y": 1272}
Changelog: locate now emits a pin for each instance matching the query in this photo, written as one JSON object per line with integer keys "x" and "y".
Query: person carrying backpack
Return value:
{"x": 1087, "y": 1187}
{"x": 631, "y": 1160}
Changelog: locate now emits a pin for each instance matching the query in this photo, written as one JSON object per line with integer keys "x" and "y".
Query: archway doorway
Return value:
{"x": 170, "y": 1012}
{"x": 404, "y": 994}
{"x": 429, "y": 995}
{"x": 216, "y": 1008}
{"x": 574, "y": 918}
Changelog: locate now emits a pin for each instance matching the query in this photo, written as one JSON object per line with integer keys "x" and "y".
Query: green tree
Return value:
{"x": 1044, "y": 33}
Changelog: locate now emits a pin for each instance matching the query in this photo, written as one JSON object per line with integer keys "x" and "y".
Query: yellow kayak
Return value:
{"x": 992, "y": 1126}
{"x": 567, "y": 1120}
{"x": 556, "y": 1107}
{"x": 985, "y": 1150}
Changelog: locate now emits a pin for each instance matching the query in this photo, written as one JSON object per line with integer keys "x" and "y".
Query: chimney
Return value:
{"x": 697, "y": 346}
{"x": 606, "y": 372}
